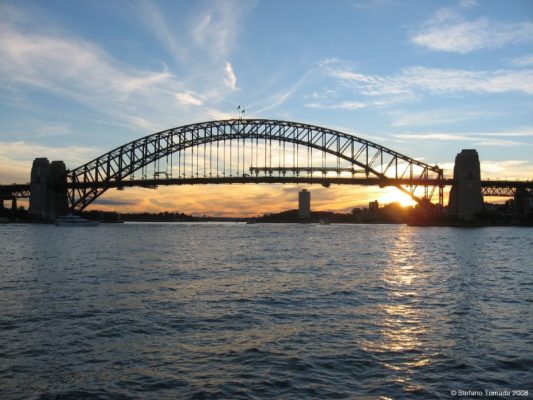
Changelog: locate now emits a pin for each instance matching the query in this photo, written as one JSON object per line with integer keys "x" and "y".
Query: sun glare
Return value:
{"x": 393, "y": 195}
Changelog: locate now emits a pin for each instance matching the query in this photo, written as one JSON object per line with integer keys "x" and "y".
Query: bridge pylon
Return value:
{"x": 466, "y": 199}
{"x": 48, "y": 189}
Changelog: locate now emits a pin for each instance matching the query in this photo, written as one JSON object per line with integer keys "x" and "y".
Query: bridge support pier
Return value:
{"x": 523, "y": 202}
{"x": 466, "y": 199}
{"x": 48, "y": 191}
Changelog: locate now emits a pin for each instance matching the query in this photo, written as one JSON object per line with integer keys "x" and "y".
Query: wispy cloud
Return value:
{"x": 77, "y": 69}
{"x": 432, "y": 136}
{"x": 20, "y": 155}
{"x": 449, "y": 32}
{"x": 200, "y": 47}
{"x": 188, "y": 98}
{"x": 345, "y": 105}
{"x": 507, "y": 169}
{"x": 467, "y": 3}
{"x": 216, "y": 114}
{"x": 37, "y": 54}
{"x": 231, "y": 79}
{"x": 281, "y": 97}
{"x": 519, "y": 133}
{"x": 44, "y": 61}
{"x": 216, "y": 28}
{"x": 525, "y": 61}
{"x": 498, "y": 169}
{"x": 208, "y": 37}
{"x": 154, "y": 19}
{"x": 411, "y": 81}
{"x": 476, "y": 138}
{"x": 434, "y": 117}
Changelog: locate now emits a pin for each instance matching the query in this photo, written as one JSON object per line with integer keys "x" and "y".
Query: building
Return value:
{"x": 304, "y": 204}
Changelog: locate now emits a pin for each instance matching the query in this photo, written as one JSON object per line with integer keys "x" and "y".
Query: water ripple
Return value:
{"x": 207, "y": 311}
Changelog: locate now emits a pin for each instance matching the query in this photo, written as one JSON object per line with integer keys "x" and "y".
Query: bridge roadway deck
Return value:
{"x": 325, "y": 181}
{"x": 22, "y": 190}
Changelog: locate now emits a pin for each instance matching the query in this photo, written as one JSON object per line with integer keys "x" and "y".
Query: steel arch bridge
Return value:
{"x": 252, "y": 151}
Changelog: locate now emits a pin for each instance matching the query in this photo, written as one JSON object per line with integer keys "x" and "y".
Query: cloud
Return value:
{"x": 525, "y": 61}
{"x": 37, "y": 55}
{"x": 507, "y": 169}
{"x": 113, "y": 202}
{"x": 433, "y": 117}
{"x": 231, "y": 79}
{"x": 467, "y": 3}
{"x": 17, "y": 157}
{"x": 152, "y": 17}
{"x": 78, "y": 70}
{"x": 498, "y": 169}
{"x": 209, "y": 36}
{"x": 215, "y": 114}
{"x": 407, "y": 84}
{"x": 527, "y": 132}
{"x": 280, "y": 98}
{"x": 432, "y": 136}
{"x": 188, "y": 98}
{"x": 448, "y": 32}
{"x": 216, "y": 28}
{"x": 500, "y": 143}
{"x": 477, "y": 138}
{"x": 237, "y": 200}
{"x": 49, "y": 61}
{"x": 345, "y": 105}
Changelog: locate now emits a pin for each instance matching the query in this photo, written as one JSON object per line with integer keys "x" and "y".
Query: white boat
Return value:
{"x": 74, "y": 220}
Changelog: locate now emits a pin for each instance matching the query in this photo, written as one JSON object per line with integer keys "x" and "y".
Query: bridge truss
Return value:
{"x": 256, "y": 151}
{"x": 505, "y": 188}
{"x": 250, "y": 150}
{"x": 14, "y": 191}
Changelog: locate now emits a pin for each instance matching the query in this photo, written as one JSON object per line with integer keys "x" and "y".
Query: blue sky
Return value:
{"x": 425, "y": 78}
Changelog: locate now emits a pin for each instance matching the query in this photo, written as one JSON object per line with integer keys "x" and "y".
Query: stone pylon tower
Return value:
{"x": 465, "y": 197}
{"x": 40, "y": 173}
{"x": 57, "y": 193}
{"x": 48, "y": 192}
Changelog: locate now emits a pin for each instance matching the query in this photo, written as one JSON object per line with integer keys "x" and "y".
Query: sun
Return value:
{"x": 393, "y": 195}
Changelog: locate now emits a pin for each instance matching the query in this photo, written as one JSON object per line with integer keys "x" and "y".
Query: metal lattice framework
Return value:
{"x": 14, "y": 191}
{"x": 200, "y": 153}
{"x": 505, "y": 188}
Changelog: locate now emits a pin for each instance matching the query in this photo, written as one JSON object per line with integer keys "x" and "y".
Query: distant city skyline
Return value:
{"x": 425, "y": 78}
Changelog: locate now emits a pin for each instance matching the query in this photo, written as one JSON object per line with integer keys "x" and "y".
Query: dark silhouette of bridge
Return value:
{"x": 239, "y": 151}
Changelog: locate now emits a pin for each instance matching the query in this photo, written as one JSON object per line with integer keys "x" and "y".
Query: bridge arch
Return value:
{"x": 89, "y": 181}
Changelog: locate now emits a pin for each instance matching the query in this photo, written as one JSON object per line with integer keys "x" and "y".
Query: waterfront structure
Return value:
{"x": 40, "y": 172}
{"x": 255, "y": 151}
{"x": 48, "y": 196}
{"x": 466, "y": 199}
{"x": 304, "y": 204}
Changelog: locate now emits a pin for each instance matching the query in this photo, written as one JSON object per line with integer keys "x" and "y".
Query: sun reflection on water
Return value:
{"x": 401, "y": 333}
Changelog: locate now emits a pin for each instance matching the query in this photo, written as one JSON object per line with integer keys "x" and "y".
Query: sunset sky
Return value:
{"x": 425, "y": 78}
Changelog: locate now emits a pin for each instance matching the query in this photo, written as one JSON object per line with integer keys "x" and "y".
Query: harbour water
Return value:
{"x": 165, "y": 311}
